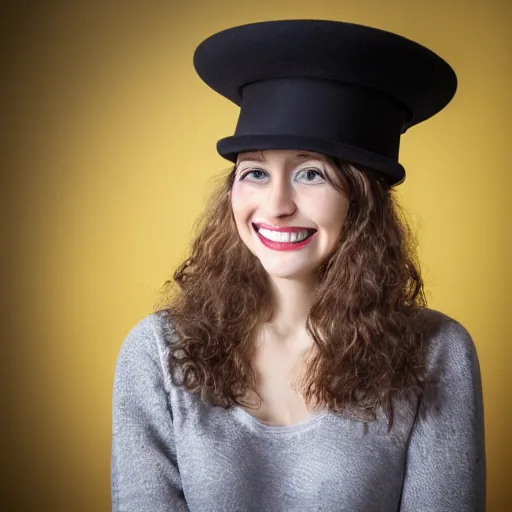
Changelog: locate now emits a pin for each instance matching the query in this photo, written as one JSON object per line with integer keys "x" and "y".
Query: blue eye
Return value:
{"x": 249, "y": 172}
{"x": 312, "y": 170}
{"x": 308, "y": 170}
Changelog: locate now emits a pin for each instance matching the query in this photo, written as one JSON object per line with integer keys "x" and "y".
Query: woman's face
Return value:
{"x": 287, "y": 189}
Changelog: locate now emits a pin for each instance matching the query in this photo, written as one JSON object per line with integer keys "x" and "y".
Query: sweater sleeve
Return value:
{"x": 144, "y": 469}
{"x": 445, "y": 467}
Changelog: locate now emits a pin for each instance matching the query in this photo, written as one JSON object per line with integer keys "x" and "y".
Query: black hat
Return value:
{"x": 337, "y": 88}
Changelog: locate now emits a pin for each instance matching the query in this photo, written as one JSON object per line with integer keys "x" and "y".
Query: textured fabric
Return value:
{"x": 172, "y": 452}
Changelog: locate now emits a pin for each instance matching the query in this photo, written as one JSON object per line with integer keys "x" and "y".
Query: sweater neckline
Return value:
{"x": 255, "y": 423}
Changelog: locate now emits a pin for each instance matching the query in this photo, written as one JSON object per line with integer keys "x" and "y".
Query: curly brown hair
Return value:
{"x": 362, "y": 319}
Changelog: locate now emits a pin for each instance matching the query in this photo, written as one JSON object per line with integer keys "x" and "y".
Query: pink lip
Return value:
{"x": 284, "y": 229}
{"x": 284, "y": 246}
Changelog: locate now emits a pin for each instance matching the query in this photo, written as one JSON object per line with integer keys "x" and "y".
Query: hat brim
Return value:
{"x": 391, "y": 171}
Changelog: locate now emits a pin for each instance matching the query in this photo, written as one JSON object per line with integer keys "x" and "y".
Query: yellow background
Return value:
{"x": 109, "y": 152}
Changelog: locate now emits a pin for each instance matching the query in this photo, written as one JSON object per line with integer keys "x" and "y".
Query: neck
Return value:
{"x": 293, "y": 299}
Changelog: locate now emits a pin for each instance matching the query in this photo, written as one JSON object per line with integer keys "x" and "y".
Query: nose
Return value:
{"x": 280, "y": 198}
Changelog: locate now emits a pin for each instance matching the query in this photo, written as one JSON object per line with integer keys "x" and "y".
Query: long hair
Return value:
{"x": 362, "y": 319}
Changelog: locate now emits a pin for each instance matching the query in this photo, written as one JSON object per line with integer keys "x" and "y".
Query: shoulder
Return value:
{"x": 453, "y": 375}
{"x": 146, "y": 346}
{"x": 153, "y": 330}
{"x": 448, "y": 343}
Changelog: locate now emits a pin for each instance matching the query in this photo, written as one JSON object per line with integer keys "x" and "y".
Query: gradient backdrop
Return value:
{"x": 109, "y": 149}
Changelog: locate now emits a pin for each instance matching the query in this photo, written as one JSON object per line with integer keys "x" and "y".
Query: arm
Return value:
{"x": 445, "y": 468}
{"x": 144, "y": 469}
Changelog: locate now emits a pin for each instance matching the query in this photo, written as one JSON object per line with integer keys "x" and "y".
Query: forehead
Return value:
{"x": 260, "y": 156}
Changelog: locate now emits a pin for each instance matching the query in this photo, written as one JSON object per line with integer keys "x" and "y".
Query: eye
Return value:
{"x": 301, "y": 171}
{"x": 312, "y": 170}
{"x": 251, "y": 171}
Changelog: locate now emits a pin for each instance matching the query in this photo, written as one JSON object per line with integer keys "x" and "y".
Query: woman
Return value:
{"x": 296, "y": 366}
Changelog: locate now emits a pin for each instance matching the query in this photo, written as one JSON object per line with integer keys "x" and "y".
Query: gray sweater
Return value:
{"x": 173, "y": 452}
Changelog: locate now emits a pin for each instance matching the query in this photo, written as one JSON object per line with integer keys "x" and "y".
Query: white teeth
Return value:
{"x": 276, "y": 236}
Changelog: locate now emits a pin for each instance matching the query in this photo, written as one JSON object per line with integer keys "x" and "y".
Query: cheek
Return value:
{"x": 241, "y": 200}
{"x": 329, "y": 210}
{"x": 241, "y": 205}
{"x": 341, "y": 213}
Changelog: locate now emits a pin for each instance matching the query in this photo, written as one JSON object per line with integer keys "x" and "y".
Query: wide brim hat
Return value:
{"x": 342, "y": 89}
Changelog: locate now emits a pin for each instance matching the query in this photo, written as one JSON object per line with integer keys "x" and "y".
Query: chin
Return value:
{"x": 282, "y": 272}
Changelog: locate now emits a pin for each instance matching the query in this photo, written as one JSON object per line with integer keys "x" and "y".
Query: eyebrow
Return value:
{"x": 258, "y": 158}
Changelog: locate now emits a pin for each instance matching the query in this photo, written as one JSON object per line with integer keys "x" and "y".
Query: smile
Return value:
{"x": 283, "y": 241}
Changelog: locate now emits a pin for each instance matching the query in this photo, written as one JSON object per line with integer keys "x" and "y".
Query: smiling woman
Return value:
{"x": 294, "y": 364}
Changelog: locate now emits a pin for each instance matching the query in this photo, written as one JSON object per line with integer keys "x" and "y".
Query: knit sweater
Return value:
{"x": 171, "y": 451}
